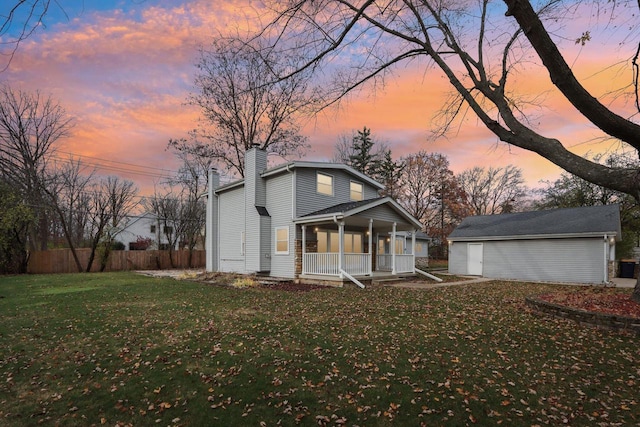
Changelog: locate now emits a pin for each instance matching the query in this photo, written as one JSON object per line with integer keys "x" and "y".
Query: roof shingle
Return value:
{"x": 583, "y": 220}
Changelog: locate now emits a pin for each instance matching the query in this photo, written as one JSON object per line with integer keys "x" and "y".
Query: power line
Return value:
{"x": 118, "y": 166}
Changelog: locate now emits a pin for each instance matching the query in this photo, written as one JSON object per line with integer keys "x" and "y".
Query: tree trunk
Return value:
{"x": 104, "y": 256}
{"x": 636, "y": 291}
{"x": 563, "y": 78}
{"x": 171, "y": 257}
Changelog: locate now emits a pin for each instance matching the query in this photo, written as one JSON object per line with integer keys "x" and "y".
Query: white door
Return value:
{"x": 474, "y": 259}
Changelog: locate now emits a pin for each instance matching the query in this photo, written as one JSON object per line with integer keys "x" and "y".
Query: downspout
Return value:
{"x": 606, "y": 260}
{"x": 293, "y": 192}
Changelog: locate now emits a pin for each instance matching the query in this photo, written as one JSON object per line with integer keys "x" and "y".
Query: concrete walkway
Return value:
{"x": 433, "y": 284}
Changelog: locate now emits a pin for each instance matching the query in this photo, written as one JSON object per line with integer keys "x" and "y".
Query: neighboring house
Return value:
{"x": 560, "y": 245}
{"x": 305, "y": 220}
{"x": 145, "y": 226}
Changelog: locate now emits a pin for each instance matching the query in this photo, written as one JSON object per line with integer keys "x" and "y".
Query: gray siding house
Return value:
{"x": 306, "y": 220}
{"x": 560, "y": 245}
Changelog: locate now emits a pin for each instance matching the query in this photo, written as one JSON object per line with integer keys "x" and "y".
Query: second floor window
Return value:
{"x": 356, "y": 191}
{"x": 324, "y": 184}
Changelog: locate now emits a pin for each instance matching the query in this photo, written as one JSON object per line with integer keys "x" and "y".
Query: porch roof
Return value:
{"x": 358, "y": 210}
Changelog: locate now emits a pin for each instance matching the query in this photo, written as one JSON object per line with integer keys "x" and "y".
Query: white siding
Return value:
{"x": 279, "y": 193}
{"x": 231, "y": 226}
{"x": 548, "y": 260}
{"x": 458, "y": 258}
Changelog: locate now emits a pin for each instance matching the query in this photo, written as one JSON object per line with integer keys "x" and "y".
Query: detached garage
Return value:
{"x": 560, "y": 245}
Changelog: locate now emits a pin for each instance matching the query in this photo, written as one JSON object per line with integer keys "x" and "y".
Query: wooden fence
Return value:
{"x": 61, "y": 260}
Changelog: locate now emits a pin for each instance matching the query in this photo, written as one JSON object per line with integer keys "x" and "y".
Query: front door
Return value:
{"x": 474, "y": 259}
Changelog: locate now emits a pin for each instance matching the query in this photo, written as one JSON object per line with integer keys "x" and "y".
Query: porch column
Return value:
{"x": 370, "y": 248}
{"x": 393, "y": 249}
{"x": 413, "y": 248}
{"x": 304, "y": 248}
{"x": 340, "y": 246}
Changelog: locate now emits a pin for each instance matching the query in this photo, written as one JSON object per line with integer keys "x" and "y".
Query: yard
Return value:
{"x": 122, "y": 349}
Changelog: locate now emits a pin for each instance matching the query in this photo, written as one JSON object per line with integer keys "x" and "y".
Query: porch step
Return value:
{"x": 266, "y": 280}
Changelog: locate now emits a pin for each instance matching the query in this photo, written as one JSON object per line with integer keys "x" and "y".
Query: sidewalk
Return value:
{"x": 624, "y": 283}
{"x": 433, "y": 284}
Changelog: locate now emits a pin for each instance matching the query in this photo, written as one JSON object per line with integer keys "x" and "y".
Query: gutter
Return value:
{"x": 529, "y": 237}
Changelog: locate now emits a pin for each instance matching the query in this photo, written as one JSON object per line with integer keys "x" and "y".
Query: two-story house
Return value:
{"x": 309, "y": 221}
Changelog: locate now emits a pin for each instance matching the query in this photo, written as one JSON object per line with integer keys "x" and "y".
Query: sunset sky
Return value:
{"x": 123, "y": 69}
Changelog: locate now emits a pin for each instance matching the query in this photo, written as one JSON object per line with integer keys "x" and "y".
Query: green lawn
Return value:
{"x": 120, "y": 349}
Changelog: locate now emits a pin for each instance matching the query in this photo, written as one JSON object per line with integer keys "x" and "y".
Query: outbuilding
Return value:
{"x": 560, "y": 245}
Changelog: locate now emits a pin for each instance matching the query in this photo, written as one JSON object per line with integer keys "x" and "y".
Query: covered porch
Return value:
{"x": 366, "y": 240}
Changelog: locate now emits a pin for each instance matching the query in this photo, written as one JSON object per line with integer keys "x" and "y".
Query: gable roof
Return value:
{"x": 344, "y": 210}
{"x": 570, "y": 222}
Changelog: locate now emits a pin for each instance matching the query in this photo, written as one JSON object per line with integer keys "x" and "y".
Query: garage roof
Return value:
{"x": 570, "y": 222}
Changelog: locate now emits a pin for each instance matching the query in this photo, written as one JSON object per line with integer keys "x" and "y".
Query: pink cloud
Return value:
{"x": 126, "y": 76}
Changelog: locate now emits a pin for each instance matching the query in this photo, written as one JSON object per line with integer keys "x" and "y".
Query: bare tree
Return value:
{"x": 166, "y": 207}
{"x": 120, "y": 201}
{"x": 478, "y": 47}
{"x": 491, "y": 190}
{"x": 193, "y": 177}
{"x": 243, "y": 103}
{"x": 30, "y": 126}
{"x": 65, "y": 193}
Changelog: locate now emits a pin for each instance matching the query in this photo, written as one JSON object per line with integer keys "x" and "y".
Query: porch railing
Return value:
{"x": 404, "y": 263}
{"x": 383, "y": 263}
{"x": 357, "y": 264}
{"x": 327, "y": 263}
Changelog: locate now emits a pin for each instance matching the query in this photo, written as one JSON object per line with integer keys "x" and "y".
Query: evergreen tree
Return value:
{"x": 363, "y": 158}
{"x": 389, "y": 173}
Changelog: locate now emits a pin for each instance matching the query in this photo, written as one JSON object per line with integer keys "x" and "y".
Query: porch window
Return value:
{"x": 356, "y": 191}
{"x": 353, "y": 243}
{"x": 384, "y": 245}
{"x": 324, "y": 184}
{"x": 328, "y": 241}
{"x": 282, "y": 240}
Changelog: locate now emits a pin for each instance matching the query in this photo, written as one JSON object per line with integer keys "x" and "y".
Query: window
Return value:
{"x": 242, "y": 243}
{"x": 418, "y": 248}
{"x": 282, "y": 240}
{"x": 167, "y": 230}
{"x": 355, "y": 191}
{"x": 381, "y": 247}
{"x": 153, "y": 229}
{"x": 324, "y": 184}
{"x": 400, "y": 245}
{"x": 328, "y": 241}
